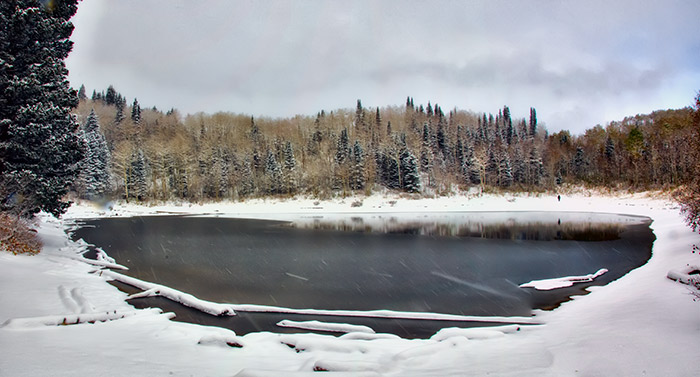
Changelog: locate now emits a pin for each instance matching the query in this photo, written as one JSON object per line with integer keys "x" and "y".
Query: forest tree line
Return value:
{"x": 147, "y": 154}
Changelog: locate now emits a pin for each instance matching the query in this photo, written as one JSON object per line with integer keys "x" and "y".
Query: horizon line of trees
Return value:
{"x": 152, "y": 155}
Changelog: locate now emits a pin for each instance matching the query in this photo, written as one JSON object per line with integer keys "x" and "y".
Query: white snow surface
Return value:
{"x": 555, "y": 283}
{"x": 641, "y": 324}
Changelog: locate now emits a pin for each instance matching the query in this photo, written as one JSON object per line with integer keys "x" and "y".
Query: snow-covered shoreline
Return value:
{"x": 640, "y": 324}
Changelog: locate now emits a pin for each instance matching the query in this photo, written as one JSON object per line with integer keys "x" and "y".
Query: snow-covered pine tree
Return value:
{"x": 94, "y": 178}
{"x": 81, "y": 93}
{"x": 470, "y": 170}
{"x": 342, "y": 147}
{"x": 505, "y": 172}
{"x": 357, "y": 172}
{"x": 111, "y": 96}
{"x": 246, "y": 186}
{"x": 410, "y": 178}
{"x": 119, "y": 115}
{"x": 273, "y": 174}
{"x": 579, "y": 163}
{"x": 289, "y": 175}
{"x": 519, "y": 167}
{"x": 535, "y": 167}
{"x": 139, "y": 176}
{"x": 533, "y": 122}
{"x": 136, "y": 112}
{"x": 388, "y": 169}
{"x": 40, "y": 148}
{"x": 492, "y": 168}
{"x": 223, "y": 170}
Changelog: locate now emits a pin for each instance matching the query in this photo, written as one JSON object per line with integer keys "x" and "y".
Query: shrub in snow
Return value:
{"x": 16, "y": 236}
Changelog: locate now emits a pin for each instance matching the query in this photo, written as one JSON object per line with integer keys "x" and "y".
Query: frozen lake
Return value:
{"x": 457, "y": 263}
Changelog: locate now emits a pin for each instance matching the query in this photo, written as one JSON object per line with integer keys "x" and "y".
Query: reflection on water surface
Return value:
{"x": 468, "y": 264}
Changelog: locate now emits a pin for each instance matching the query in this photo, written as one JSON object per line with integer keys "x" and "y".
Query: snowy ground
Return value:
{"x": 641, "y": 324}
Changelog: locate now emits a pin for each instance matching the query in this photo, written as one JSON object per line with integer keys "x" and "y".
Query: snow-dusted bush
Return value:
{"x": 16, "y": 235}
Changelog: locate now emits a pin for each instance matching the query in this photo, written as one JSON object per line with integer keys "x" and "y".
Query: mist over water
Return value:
{"x": 470, "y": 263}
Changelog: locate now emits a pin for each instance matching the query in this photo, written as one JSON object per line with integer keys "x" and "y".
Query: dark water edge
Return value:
{"x": 628, "y": 249}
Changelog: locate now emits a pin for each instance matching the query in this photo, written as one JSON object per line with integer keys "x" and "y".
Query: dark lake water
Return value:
{"x": 470, "y": 263}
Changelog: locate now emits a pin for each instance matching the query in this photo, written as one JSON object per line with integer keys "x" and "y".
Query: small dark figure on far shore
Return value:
{"x": 559, "y": 198}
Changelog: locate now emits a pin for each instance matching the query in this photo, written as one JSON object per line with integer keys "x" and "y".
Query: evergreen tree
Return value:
{"x": 343, "y": 147}
{"x": 389, "y": 170}
{"x": 40, "y": 148}
{"x": 360, "y": 116}
{"x": 139, "y": 176}
{"x": 136, "y": 112}
{"x": 492, "y": 168}
{"x": 289, "y": 174}
{"x": 471, "y": 167}
{"x": 535, "y": 167}
{"x": 508, "y": 125}
{"x": 357, "y": 174}
{"x": 533, "y": 122}
{"x": 609, "y": 149}
{"x": 273, "y": 174}
{"x": 119, "y": 115}
{"x": 94, "y": 178}
{"x": 223, "y": 169}
{"x": 523, "y": 130}
{"x": 505, "y": 172}
{"x": 111, "y": 96}
{"x": 410, "y": 178}
{"x": 246, "y": 185}
{"x": 579, "y": 163}
{"x": 81, "y": 93}
{"x": 519, "y": 167}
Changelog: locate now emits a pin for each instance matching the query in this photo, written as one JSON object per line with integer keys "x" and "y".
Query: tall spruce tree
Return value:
{"x": 533, "y": 122}
{"x": 505, "y": 172}
{"x": 136, "y": 112}
{"x": 289, "y": 174}
{"x": 410, "y": 178}
{"x": 357, "y": 172}
{"x": 273, "y": 174}
{"x": 139, "y": 175}
{"x": 94, "y": 178}
{"x": 40, "y": 148}
{"x": 81, "y": 93}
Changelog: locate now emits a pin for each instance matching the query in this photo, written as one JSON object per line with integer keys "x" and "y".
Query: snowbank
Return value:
{"x": 688, "y": 275}
{"x": 641, "y": 324}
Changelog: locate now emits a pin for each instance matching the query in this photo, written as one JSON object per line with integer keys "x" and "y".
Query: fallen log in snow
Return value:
{"x": 152, "y": 289}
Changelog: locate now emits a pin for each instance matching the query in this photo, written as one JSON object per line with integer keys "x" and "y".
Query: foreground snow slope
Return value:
{"x": 642, "y": 324}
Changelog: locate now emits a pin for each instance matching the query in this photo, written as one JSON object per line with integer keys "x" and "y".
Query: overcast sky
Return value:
{"x": 579, "y": 63}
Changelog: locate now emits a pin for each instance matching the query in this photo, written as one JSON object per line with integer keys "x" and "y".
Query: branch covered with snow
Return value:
{"x": 152, "y": 289}
{"x": 325, "y": 326}
{"x": 549, "y": 284}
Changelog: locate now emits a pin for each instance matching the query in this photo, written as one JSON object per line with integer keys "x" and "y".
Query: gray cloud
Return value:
{"x": 577, "y": 62}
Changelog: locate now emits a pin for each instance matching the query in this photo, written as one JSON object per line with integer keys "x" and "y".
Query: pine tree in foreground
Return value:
{"x": 39, "y": 145}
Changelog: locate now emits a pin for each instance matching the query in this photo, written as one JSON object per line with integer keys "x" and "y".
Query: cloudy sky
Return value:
{"x": 579, "y": 63}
